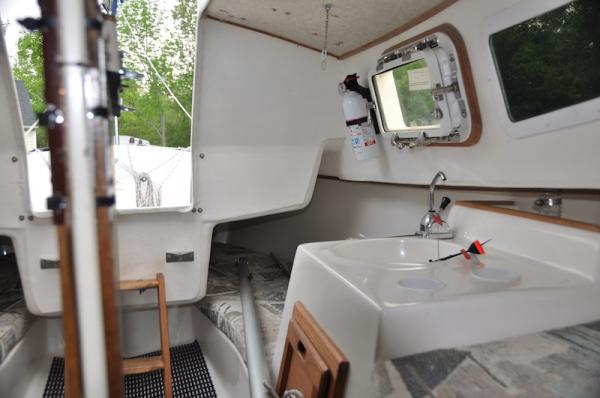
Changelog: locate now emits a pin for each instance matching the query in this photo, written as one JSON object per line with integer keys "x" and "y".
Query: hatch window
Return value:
{"x": 551, "y": 61}
{"x": 419, "y": 90}
{"x": 405, "y": 97}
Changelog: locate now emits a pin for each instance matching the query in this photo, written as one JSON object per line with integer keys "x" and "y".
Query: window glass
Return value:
{"x": 152, "y": 154}
{"x": 404, "y": 96}
{"x": 551, "y": 61}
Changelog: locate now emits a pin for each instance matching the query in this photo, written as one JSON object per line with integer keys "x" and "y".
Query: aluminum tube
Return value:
{"x": 81, "y": 176}
{"x": 258, "y": 371}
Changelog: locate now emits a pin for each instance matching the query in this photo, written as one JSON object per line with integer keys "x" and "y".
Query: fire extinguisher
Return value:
{"x": 355, "y": 104}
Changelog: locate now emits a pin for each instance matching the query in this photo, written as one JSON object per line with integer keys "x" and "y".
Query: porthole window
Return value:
{"x": 420, "y": 90}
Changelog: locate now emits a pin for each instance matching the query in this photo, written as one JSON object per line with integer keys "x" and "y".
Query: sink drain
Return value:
{"x": 501, "y": 275}
{"x": 421, "y": 284}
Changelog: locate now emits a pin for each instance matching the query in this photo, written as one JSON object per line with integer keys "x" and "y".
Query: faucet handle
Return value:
{"x": 445, "y": 202}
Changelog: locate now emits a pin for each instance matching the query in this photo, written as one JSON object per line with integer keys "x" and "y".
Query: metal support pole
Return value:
{"x": 74, "y": 58}
{"x": 117, "y": 139}
{"x": 258, "y": 371}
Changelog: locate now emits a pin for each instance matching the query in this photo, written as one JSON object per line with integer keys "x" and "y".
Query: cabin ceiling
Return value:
{"x": 353, "y": 23}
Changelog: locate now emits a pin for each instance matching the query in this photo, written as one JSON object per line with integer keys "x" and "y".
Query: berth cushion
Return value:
{"x": 15, "y": 319}
{"x": 547, "y": 364}
{"x": 14, "y": 323}
{"x": 222, "y": 304}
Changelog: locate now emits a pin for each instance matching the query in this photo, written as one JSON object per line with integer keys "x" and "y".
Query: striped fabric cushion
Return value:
{"x": 222, "y": 304}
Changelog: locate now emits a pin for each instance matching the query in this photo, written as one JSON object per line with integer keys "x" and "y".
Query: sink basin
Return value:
{"x": 395, "y": 251}
{"x": 381, "y": 299}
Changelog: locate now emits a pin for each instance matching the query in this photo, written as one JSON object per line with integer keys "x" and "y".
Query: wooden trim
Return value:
{"x": 532, "y": 190}
{"x": 134, "y": 366}
{"x": 73, "y": 386}
{"x": 109, "y": 270}
{"x": 53, "y": 85}
{"x": 317, "y": 374}
{"x": 164, "y": 336}
{"x": 138, "y": 284}
{"x": 264, "y": 32}
{"x": 493, "y": 202}
{"x": 334, "y": 358}
{"x": 390, "y": 35}
{"x": 401, "y": 29}
{"x": 110, "y": 304}
{"x": 565, "y": 222}
{"x": 142, "y": 365}
{"x": 467, "y": 77}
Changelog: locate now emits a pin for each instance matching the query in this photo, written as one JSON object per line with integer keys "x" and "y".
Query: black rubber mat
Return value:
{"x": 190, "y": 377}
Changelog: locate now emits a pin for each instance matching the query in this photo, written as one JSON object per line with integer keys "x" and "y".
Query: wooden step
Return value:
{"x": 135, "y": 366}
{"x": 138, "y": 284}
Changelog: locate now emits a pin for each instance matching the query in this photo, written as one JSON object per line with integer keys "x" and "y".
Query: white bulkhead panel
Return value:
{"x": 563, "y": 158}
{"x": 262, "y": 109}
{"x": 264, "y": 112}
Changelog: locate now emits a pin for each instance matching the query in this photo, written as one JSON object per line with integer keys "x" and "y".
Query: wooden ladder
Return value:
{"x": 134, "y": 366}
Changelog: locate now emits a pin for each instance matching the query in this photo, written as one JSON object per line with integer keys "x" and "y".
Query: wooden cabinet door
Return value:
{"x": 311, "y": 362}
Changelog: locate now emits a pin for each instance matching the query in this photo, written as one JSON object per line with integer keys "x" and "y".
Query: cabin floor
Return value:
{"x": 204, "y": 362}
{"x": 191, "y": 377}
{"x": 556, "y": 363}
{"x": 563, "y": 362}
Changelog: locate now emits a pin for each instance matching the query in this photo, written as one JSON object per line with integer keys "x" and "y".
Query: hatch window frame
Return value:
{"x": 576, "y": 114}
{"x": 470, "y": 132}
{"x": 434, "y": 78}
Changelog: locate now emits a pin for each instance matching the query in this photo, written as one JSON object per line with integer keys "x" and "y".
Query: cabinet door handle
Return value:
{"x": 179, "y": 257}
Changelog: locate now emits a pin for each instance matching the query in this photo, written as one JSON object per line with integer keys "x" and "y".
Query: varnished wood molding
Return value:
{"x": 489, "y": 202}
{"x": 304, "y": 327}
{"x": 401, "y": 29}
{"x": 450, "y": 187}
{"x": 264, "y": 32}
{"x": 390, "y": 35}
{"x": 486, "y": 206}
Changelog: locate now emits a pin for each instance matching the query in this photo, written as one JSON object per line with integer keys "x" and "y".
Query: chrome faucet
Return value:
{"x": 432, "y": 217}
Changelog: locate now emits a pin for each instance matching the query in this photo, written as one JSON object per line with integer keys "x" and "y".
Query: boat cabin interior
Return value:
{"x": 287, "y": 199}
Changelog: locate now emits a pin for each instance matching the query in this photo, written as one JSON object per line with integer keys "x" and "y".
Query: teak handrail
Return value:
{"x": 109, "y": 271}
{"x": 492, "y": 206}
{"x": 53, "y": 83}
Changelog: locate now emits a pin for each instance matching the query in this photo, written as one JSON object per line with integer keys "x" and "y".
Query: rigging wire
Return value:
{"x": 147, "y": 192}
{"x": 151, "y": 64}
{"x": 34, "y": 125}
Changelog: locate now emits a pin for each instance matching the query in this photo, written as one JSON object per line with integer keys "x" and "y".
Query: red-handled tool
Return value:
{"x": 475, "y": 248}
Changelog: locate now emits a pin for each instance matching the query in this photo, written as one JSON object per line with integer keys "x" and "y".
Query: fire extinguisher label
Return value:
{"x": 356, "y": 137}
{"x": 368, "y": 135}
{"x": 363, "y": 141}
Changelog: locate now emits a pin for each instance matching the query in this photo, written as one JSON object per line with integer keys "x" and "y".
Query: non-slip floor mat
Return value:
{"x": 190, "y": 377}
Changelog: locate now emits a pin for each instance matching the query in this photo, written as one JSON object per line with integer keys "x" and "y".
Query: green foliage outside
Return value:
{"x": 170, "y": 45}
{"x": 29, "y": 68}
{"x": 417, "y": 106}
{"x": 551, "y": 61}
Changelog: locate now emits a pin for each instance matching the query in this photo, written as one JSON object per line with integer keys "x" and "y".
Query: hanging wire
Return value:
{"x": 324, "y": 52}
{"x": 151, "y": 64}
{"x": 33, "y": 126}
